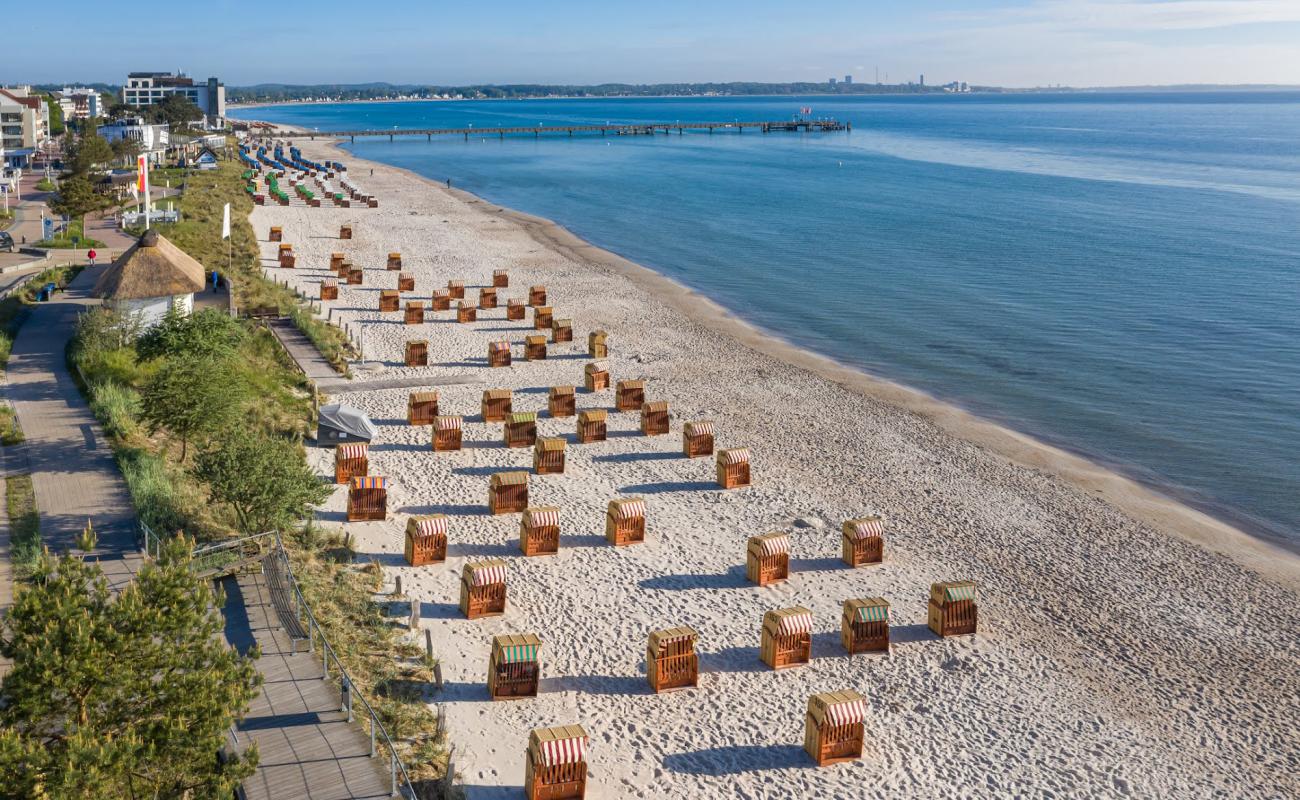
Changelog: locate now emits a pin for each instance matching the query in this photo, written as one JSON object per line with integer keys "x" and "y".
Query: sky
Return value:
{"x": 987, "y": 42}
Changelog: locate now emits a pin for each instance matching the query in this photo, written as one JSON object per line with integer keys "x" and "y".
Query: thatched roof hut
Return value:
{"x": 152, "y": 267}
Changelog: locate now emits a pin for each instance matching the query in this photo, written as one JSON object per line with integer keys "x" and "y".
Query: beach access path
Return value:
{"x": 306, "y": 746}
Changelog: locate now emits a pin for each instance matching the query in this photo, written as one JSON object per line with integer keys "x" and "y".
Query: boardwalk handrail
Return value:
{"x": 395, "y": 765}
{"x": 152, "y": 546}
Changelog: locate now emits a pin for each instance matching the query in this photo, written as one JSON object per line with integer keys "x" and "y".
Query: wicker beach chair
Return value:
{"x": 625, "y": 521}
{"x": 514, "y": 669}
{"x": 535, "y": 348}
{"x": 548, "y": 456}
{"x": 595, "y": 376}
{"x": 863, "y": 541}
{"x": 591, "y": 426}
{"x": 561, "y": 401}
{"x": 697, "y": 439}
{"x": 499, "y": 354}
{"x": 787, "y": 637}
{"x": 483, "y": 589}
{"x": 733, "y": 468}
{"x": 421, "y": 407}
{"x": 629, "y": 396}
{"x": 597, "y": 344}
{"x": 654, "y": 418}
{"x": 507, "y": 492}
{"x": 417, "y": 353}
{"x": 520, "y": 429}
{"x": 367, "y": 499}
{"x": 447, "y": 433}
{"x": 495, "y": 404}
{"x": 539, "y": 531}
{"x": 351, "y": 461}
{"x": 864, "y": 625}
{"x": 537, "y": 295}
{"x": 671, "y": 662}
{"x": 833, "y": 729}
{"x": 767, "y": 558}
{"x": 953, "y": 610}
{"x": 426, "y": 540}
{"x": 556, "y": 764}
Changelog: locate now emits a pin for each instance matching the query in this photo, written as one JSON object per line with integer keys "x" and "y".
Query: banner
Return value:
{"x": 225, "y": 222}
{"x": 141, "y": 173}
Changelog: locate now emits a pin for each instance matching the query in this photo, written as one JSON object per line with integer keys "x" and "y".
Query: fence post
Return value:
{"x": 373, "y": 724}
{"x": 392, "y": 768}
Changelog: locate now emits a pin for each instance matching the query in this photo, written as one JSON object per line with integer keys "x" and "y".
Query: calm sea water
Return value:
{"x": 1118, "y": 274}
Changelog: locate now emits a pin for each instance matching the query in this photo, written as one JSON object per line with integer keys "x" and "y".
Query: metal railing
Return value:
{"x": 230, "y": 552}
{"x": 396, "y": 769}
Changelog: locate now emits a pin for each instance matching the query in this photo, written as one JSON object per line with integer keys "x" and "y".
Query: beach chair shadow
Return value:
{"x": 480, "y": 470}
{"x": 400, "y": 447}
{"x": 384, "y": 559}
{"x": 461, "y": 691}
{"x": 916, "y": 632}
{"x": 620, "y": 685}
{"x": 439, "y": 611}
{"x": 816, "y": 564}
{"x": 670, "y": 486}
{"x": 450, "y": 509}
{"x": 471, "y": 363}
{"x": 733, "y": 578}
{"x": 588, "y": 540}
{"x": 533, "y": 390}
{"x": 737, "y": 758}
{"x": 493, "y": 792}
{"x": 331, "y": 516}
{"x": 732, "y": 659}
{"x": 626, "y": 458}
{"x": 467, "y": 550}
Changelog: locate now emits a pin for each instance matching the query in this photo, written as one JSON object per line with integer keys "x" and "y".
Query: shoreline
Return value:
{"x": 1143, "y": 502}
{"x": 1108, "y": 653}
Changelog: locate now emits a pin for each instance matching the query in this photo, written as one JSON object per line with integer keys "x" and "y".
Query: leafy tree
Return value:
{"x": 192, "y": 399}
{"x": 120, "y": 696}
{"x": 56, "y": 116}
{"x": 263, "y": 478}
{"x": 116, "y": 109}
{"x": 125, "y": 150}
{"x": 77, "y": 197}
{"x": 90, "y": 152}
{"x": 205, "y": 334}
{"x": 175, "y": 110}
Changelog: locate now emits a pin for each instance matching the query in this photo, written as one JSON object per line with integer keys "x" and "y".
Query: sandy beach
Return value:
{"x": 1129, "y": 646}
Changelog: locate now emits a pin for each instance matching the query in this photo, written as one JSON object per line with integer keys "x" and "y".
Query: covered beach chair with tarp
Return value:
{"x": 767, "y": 558}
{"x": 561, "y": 401}
{"x": 339, "y": 424}
{"x": 520, "y": 429}
{"x": 864, "y": 625}
{"x": 507, "y": 492}
{"x": 499, "y": 354}
{"x": 351, "y": 461}
{"x": 367, "y": 499}
{"x": 483, "y": 589}
{"x": 417, "y": 353}
{"x": 422, "y": 407}
{"x": 670, "y": 659}
{"x": 787, "y": 637}
{"x": 863, "y": 541}
{"x": 833, "y": 729}
{"x": 733, "y": 468}
{"x": 697, "y": 439}
{"x": 592, "y": 425}
{"x": 539, "y": 531}
{"x": 548, "y": 456}
{"x": 953, "y": 610}
{"x": 514, "y": 668}
{"x": 447, "y": 433}
{"x": 654, "y": 418}
{"x": 595, "y": 376}
{"x": 426, "y": 540}
{"x": 496, "y": 404}
{"x": 598, "y": 344}
{"x": 556, "y": 767}
{"x": 629, "y": 396}
{"x": 625, "y": 521}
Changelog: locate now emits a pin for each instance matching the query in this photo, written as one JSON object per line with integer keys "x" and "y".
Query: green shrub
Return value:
{"x": 116, "y": 406}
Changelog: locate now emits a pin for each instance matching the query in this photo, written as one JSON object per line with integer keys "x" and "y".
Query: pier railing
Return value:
{"x": 622, "y": 129}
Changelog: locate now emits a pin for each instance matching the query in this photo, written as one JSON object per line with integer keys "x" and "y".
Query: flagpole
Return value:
{"x": 148, "y": 207}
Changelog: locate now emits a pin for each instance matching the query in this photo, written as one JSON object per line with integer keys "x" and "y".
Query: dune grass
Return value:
{"x": 24, "y": 524}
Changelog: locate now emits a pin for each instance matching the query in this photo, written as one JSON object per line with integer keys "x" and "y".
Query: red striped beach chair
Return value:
{"x": 556, "y": 767}
{"x": 697, "y": 439}
{"x": 625, "y": 521}
{"x": 833, "y": 729}
{"x": 351, "y": 461}
{"x": 447, "y": 433}
{"x": 767, "y": 558}
{"x": 483, "y": 589}
{"x": 787, "y": 637}
{"x": 670, "y": 659}
{"x": 539, "y": 531}
{"x": 426, "y": 540}
{"x": 733, "y": 468}
{"x": 863, "y": 541}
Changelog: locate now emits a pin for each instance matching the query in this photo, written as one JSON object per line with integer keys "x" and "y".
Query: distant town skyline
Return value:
{"x": 1013, "y": 43}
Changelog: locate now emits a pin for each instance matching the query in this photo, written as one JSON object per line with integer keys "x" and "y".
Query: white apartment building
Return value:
{"x": 146, "y": 88}
{"x": 24, "y": 124}
{"x": 153, "y": 139}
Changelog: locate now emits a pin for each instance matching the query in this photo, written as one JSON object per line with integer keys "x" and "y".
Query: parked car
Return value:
{"x": 6, "y": 242}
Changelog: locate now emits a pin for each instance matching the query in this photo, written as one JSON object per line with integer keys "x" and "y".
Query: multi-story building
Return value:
{"x": 153, "y": 139}
{"x": 80, "y": 103}
{"x": 24, "y": 124}
{"x": 146, "y": 88}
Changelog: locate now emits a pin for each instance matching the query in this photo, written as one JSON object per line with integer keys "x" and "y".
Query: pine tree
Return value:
{"x": 125, "y": 696}
{"x": 192, "y": 398}
{"x": 263, "y": 478}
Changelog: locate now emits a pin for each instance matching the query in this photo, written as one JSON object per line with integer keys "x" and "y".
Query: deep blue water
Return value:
{"x": 1118, "y": 274}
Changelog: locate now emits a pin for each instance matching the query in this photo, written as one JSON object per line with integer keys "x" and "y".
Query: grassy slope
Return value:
{"x": 199, "y": 234}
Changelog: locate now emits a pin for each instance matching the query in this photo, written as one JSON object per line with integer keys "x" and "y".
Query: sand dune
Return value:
{"x": 1115, "y": 658}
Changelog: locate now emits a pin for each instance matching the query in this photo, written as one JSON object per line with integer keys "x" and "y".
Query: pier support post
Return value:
{"x": 428, "y": 137}
{"x": 390, "y": 137}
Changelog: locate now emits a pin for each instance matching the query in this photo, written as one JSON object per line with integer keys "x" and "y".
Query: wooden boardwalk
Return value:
{"x": 627, "y": 129}
{"x": 306, "y": 746}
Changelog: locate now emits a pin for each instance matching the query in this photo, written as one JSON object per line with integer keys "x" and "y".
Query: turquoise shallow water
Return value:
{"x": 1117, "y": 274}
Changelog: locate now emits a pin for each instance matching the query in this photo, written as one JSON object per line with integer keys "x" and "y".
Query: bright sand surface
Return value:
{"x": 1128, "y": 646}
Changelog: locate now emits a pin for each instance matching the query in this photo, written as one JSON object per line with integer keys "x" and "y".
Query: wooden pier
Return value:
{"x": 637, "y": 129}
